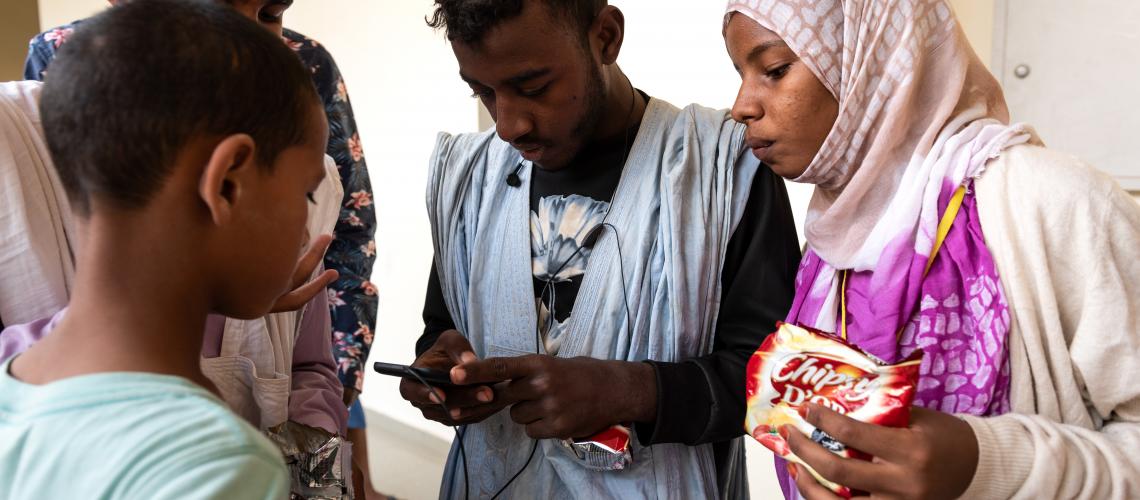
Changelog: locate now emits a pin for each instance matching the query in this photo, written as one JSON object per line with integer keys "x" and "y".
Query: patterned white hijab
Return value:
{"x": 918, "y": 112}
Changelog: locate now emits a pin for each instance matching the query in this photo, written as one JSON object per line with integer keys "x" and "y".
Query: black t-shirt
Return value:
{"x": 699, "y": 400}
{"x": 566, "y": 206}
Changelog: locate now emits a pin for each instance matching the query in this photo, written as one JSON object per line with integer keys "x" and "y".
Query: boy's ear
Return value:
{"x": 226, "y": 172}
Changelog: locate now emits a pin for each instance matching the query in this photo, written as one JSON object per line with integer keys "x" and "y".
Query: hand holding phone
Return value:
{"x": 465, "y": 404}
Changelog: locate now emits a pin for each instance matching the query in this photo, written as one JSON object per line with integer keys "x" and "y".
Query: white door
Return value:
{"x": 1071, "y": 68}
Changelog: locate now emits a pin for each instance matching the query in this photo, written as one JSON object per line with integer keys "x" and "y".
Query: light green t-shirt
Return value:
{"x": 129, "y": 436}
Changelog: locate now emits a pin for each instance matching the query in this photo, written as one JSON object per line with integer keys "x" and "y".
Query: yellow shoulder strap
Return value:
{"x": 944, "y": 225}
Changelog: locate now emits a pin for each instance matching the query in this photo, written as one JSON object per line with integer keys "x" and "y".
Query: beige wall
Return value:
{"x": 57, "y": 12}
{"x": 18, "y": 24}
{"x": 977, "y": 18}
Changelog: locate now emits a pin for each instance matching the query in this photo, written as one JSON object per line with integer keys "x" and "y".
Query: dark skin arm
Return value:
{"x": 552, "y": 397}
{"x": 468, "y": 404}
{"x": 934, "y": 457}
{"x": 559, "y": 397}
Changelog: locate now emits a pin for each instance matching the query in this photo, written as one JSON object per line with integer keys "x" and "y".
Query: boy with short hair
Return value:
{"x": 188, "y": 140}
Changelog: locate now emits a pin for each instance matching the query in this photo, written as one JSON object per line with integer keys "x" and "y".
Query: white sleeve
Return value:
{"x": 1070, "y": 263}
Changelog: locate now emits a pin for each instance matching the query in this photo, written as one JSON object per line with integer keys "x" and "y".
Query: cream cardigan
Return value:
{"x": 1066, "y": 241}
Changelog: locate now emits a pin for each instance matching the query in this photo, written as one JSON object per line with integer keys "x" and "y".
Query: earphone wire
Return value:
{"x": 624, "y": 291}
{"x": 460, "y": 431}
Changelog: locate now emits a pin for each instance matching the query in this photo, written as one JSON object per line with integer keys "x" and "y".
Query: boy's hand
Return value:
{"x": 304, "y": 289}
{"x": 469, "y": 404}
{"x": 934, "y": 457}
{"x": 567, "y": 397}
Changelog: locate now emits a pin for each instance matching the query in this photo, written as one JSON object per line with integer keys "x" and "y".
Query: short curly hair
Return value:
{"x": 467, "y": 21}
{"x": 135, "y": 84}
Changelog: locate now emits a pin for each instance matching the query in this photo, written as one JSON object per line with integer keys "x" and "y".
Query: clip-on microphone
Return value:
{"x": 513, "y": 179}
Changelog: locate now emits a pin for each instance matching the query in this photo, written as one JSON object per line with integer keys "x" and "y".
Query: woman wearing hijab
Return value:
{"x": 937, "y": 225}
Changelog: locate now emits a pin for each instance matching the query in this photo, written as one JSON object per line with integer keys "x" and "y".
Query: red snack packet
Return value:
{"x": 606, "y": 450}
{"x": 615, "y": 439}
{"x": 797, "y": 365}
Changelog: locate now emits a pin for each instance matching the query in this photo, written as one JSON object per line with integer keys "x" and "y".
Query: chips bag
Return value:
{"x": 797, "y": 365}
{"x": 606, "y": 450}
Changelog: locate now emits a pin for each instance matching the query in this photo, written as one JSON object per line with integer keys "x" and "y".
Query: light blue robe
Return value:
{"x": 681, "y": 194}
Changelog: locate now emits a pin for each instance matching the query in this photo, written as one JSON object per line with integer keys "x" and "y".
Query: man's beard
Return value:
{"x": 594, "y": 102}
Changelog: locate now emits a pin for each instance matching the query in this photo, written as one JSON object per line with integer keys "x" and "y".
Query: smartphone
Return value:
{"x": 434, "y": 378}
